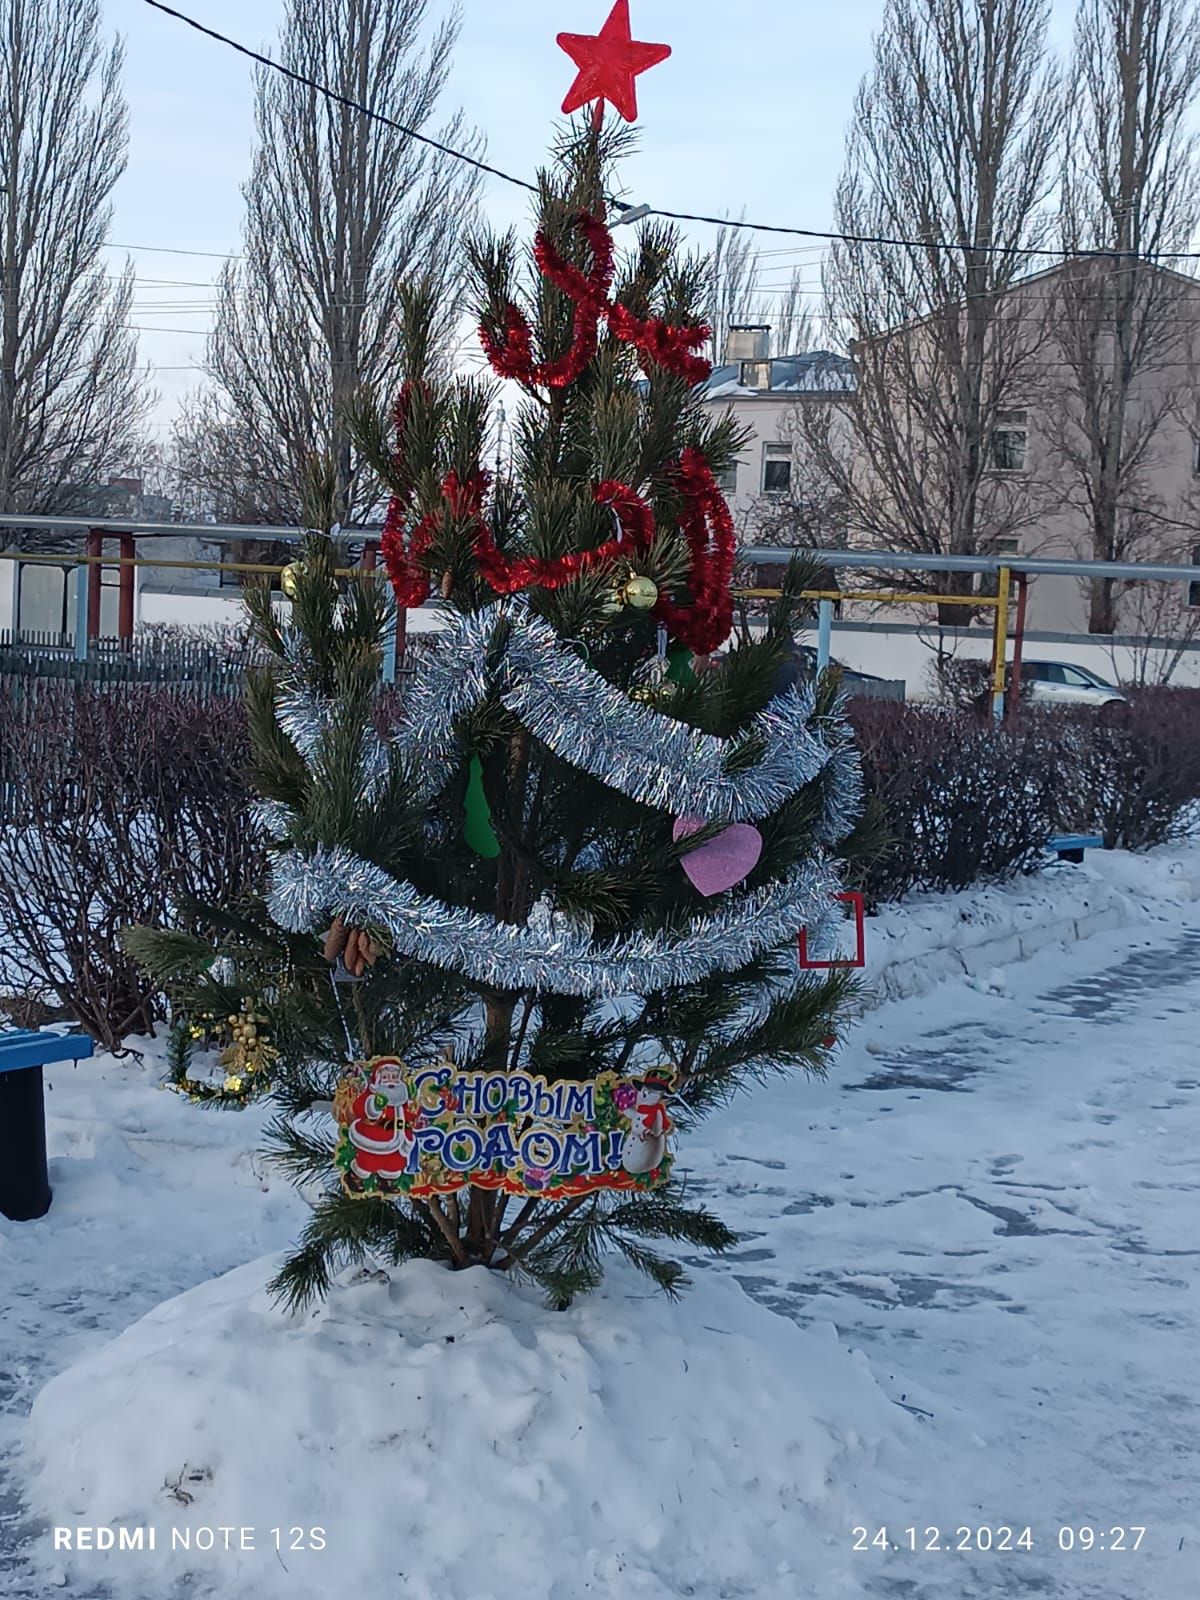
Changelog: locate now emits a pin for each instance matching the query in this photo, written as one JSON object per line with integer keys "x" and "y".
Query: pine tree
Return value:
{"x": 492, "y": 861}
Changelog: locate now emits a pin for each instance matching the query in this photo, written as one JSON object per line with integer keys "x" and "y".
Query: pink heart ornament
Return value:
{"x": 723, "y": 861}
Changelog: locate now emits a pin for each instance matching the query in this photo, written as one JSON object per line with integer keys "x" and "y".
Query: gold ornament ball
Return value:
{"x": 233, "y": 1084}
{"x": 640, "y": 593}
{"x": 288, "y": 577}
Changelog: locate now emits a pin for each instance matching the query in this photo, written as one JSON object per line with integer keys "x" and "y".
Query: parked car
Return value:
{"x": 802, "y": 668}
{"x": 1062, "y": 683}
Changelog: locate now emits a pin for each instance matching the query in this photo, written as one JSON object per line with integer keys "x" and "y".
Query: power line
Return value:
{"x": 345, "y": 100}
{"x": 139, "y": 327}
{"x": 1025, "y": 251}
{"x": 167, "y": 250}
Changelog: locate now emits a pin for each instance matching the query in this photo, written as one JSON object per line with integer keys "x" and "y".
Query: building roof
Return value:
{"x": 816, "y": 372}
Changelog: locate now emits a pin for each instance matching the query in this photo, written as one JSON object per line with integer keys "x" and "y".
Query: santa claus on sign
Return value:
{"x": 381, "y": 1123}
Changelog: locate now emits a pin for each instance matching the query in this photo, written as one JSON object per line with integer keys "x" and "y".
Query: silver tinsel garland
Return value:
{"x": 272, "y": 816}
{"x": 593, "y": 725}
{"x": 309, "y": 718}
{"x": 583, "y": 719}
{"x": 552, "y": 954}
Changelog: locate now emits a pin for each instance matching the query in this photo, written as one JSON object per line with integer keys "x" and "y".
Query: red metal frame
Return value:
{"x": 125, "y": 590}
{"x": 852, "y": 898}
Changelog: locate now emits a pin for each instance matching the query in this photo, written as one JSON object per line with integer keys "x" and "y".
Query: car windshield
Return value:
{"x": 1066, "y": 673}
{"x": 1087, "y": 676}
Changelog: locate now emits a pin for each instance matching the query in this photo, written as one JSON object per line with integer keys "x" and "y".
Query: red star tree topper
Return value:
{"x": 608, "y": 63}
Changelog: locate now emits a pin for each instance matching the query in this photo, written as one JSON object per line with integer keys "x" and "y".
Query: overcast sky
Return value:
{"x": 748, "y": 114}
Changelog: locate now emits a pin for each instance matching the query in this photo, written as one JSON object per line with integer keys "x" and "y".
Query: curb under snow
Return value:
{"x": 918, "y": 944}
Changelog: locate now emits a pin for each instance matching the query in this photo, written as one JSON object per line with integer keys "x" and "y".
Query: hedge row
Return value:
{"x": 964, "y": 802}
{"x": 116, "y": 807}
{"x": 119, "y": 806}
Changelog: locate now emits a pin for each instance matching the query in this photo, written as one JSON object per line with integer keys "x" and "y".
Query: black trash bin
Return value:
{"x": 24, "y": 1180}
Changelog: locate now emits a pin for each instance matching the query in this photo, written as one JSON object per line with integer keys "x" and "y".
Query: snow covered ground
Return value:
{"x": 965, "y": 1301}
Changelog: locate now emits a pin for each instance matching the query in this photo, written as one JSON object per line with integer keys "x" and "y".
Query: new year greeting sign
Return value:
{"x": 426, "y": 1131}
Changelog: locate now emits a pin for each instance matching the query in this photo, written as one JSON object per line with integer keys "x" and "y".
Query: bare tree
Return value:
{"x": 794, "y": 328}
{"x": 1126, "y": 326}
{"x": 733, "y": 285}
{"x": 1158, "y": 633}
{"x": 71, "y": 407}
{"x": 340, "y": 210}
{"x": 737, "y": 294}
{"x": 951, "y": 144}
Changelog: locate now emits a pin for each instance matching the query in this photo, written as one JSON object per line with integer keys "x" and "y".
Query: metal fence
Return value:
{"x": 876, "y": 688}
{"x": 206, "y": 666}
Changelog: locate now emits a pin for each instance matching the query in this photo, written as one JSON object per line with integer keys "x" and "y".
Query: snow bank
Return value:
{"x": 927, "y": 938}
{"x": 450, "y": 1434}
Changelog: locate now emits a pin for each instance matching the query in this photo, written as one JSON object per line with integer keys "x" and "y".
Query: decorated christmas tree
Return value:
{"x": 534, "y": 914}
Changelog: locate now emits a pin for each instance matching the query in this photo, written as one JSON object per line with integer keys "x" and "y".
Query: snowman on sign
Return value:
{"x": 646, "y": 1141}
{"x": 381, "y": 1122}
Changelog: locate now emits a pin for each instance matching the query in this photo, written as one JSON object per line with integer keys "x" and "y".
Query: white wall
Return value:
{"x": 8, "y": 593}
{"x": 191, "y": 610}
{"x": 200, "y": 610}
{"x": 905, "y": 655}
{"x": 43, "y": 587}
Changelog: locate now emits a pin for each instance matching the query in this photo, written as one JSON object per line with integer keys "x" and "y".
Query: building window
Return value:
{"x": 1008, "y": 546}
{"x": 1193, "y": 595}
{"x": 777, "y": 468}
{"x": 1008, "y": 441}
{"x": 727, "y": 480}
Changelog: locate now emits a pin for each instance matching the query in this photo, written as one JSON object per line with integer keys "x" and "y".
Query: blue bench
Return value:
{"x": 24, "y": 1179}
{"x": 1070, "y": 846}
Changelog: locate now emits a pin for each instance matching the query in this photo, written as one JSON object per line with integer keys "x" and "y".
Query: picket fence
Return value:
{"x": 203, "y": 666}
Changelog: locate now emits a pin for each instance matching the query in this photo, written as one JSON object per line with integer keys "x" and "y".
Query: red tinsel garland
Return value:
{"x": 510, "y": 354}
{"x": 586, "y": 289}
{"x": 659, "y": 343}
{"x": 465, "y": 500}
{"x": 708, "y": 527}
{"x": 702, "y": 624}
{"x": 705, "y": 621}
{"x": 409, "y": 578}
{"x": 510, "y": 350}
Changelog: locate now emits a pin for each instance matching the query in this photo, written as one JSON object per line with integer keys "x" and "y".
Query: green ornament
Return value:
{"x": 680, "y": 668}
{"x": 477, "y": 829}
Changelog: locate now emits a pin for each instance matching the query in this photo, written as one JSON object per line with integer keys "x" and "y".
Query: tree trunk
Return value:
{"x": 955, "y": 583}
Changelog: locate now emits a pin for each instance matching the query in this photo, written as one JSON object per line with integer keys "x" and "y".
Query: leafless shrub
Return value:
{"x": 115, "y": 806}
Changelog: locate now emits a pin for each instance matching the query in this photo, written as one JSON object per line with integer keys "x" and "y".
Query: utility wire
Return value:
{"x": 345, "y": 100}
{"x": 166, "y": 250}
{"x": 671, "y": 216}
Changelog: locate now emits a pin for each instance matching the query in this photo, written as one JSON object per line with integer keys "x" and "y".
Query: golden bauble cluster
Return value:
{"x": 288, "y": 578}
{"x": 655, "y": 694}
{"x": 243, "y": 1025}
